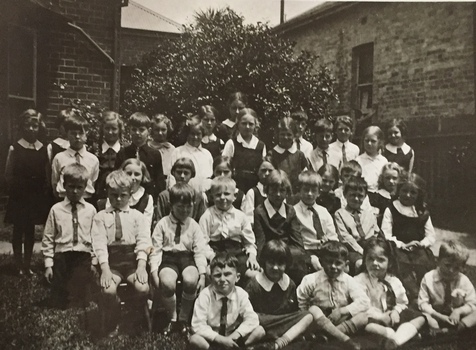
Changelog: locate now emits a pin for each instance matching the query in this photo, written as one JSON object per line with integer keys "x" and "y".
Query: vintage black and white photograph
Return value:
{"x": 237, "y": 174}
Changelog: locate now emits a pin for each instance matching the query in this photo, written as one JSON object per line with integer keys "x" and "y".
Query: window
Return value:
{"x": 362, "y": 77}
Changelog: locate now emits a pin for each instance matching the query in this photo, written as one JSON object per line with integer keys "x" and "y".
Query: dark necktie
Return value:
{"x": 74, "y": 211}
{"x": 344, "y": 155}
{"x": 358, "y": 225}
{"x": 447, "y": 300}
{"x": 178, "y": 232}
{"x": 77, "y": 157}
{"x": 391, "y": 298}
{"x": 298, "y": 144}
{"x": 400, "y": 151}
{"x": 316, "y": 222}
{"x": 223, "y": 314}
{"x": 117, "y": 217}
{"x": 324, "y": 157}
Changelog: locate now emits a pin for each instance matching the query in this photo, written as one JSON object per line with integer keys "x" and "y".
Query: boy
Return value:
{"x": 76, "y": 128}
{"x": 348, "y": 170}
{"x": 338, "y": 297}
{"x": 223, "y": 314}
{"x": 179, "y": 249}
{"x": 226, "y": 228}
{"x": 60, "y": 143}
{"x": 446, "y": 295}
{"x": 342, "y": 150}
{"x": 355, "y": 224}
{"x": 323, "y": 136}
{"x": 66, "y": 243}
{"x": 303, "y": 145}
{"x": 121, "y": 243}
{"x": 314, "y": 222}
{"x": 182, "y": 170}
{"x": 139, "y": 128}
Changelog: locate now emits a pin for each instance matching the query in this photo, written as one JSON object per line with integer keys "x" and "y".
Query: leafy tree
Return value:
{"x": 219, "y": 54}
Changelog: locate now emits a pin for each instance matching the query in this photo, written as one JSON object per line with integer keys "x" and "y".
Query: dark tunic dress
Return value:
{"x": 214, "y": 147}
{"x": 291, "y": 163}
{"x": 329, "y": 201}
{"x": 107, "y": 163}
{"x": 28, "y": 200}
{"x": 381, "y": 203}
{"x": 401, "y": 159}
{"x": 246, "y": 163}
{"x": 224, "y": 132}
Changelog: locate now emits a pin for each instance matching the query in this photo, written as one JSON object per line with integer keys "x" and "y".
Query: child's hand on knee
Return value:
{"x": 106, "y": 278}
{"x": 394, "y": 317}
{"x": 252, "y": 263}
{"x": 141, "y": 275}
{"x": 49, "y": 274}
{"x": 455, "y": 317}
{"x": 335, "y": 315}
{"x": 227, "y": 342}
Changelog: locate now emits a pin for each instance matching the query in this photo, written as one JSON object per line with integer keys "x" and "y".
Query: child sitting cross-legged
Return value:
{"x": 121, "y": 242}
{"x": 66, "y": 243}
{"x": 179, "y": 250}
{"x": 340, "y": 299}
{"x": 446, "y": 294}
{"x": 223, "y": 315}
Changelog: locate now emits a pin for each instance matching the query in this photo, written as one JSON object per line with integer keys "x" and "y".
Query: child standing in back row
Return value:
{"x": 237, "y": 101}
{"x": 323, "y": 136}
{"x": 301, "y": 119}
{"x": 342, "y": 150}
{"x": 208, "y": 117}
{"x": 161, "y": 128}
{"x": 397, "y": 150}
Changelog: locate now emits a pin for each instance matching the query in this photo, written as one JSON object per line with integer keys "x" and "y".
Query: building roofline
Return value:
{"x": 155, "y": 14}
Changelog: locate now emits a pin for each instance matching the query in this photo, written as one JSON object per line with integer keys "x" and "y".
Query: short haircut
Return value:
{"x": 334, "y": 250}
{"x": 452, "y": 250}
{"x": 373, "y": 130}
{"x": 109, "y": 116}
{"x": 388, "y": 249}
{"x": 300, "y": 116}
{"x": 309, "y": 178}
{"x": 251, "y": 112}
{"x": 278, "y": 178}
{"x": 351, "y": 166}
{"x": 222, "y": 260}
{"x": 181, "y": 193}
{"x": 389, "y": 166}
{"x": 203, "y": 111}
{"x": 145, "y": 173}
{"x": 62, "y": 116}
{"x": 184, "y": 163}
{"x": 355, "y": 183}
{"x": 329, "y": 169}
{"x": 345, "y": 120}
{"x": 75, "y": 122}
{"x": 287, "y": 123}
{"x": 222, "y": 182}
{"x": 118, "y": 179}
{"x": 194, "y": 123}
{"x": 399, "y": 123}
{"x": 139, "y": 119}
{"x": 32, "y": 113}
{"x": 323, "y": 125}
{"x": 161, "y": 118}
{"x": 237, "y": 96}
{"x": 276, "y": 251}
{"x": 75, "y": 172}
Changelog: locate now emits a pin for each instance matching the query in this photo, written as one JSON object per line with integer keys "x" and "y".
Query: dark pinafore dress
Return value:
{"x": 246, "y": 163}
{"x": 214, "y": 147}
{"x": 401, "y": 159}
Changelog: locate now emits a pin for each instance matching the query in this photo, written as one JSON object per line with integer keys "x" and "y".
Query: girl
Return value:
{"x": 371, "y": 160}
{"x": 387, "y": 186}
{"x": 236, "y": 103}
{"x": 257, "y": 195}
{"x": 26, "y": 178}
{"x": 208, "y": 116}
{"x": 389, "y": 302}
{"x": 111, "y": 132}
{"x": 222, "y": 167}
{"x": 273, "y": 296}
{"x": 407, "y": 223}
{"x": 245, "y": 150}
{"x": 161, "y": 129}
{"x": 285, "y": 155}
{"x": 330, "y": 179}
{"x": 396, "y": 150}
{"x": 201, "y": 158}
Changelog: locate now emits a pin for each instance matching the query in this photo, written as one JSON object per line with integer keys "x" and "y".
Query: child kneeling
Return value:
{"x": 179, "y": 249}
{"x": 120, "y": 237}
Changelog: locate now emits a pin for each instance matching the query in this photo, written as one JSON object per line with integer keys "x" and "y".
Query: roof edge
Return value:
{"x": 156, "y": 14}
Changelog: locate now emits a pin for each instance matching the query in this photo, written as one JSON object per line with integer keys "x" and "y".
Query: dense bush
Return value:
{"x": 219, "y": 54}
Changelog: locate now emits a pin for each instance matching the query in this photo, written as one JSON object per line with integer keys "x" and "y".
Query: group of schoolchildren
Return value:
{"x": 267, "y": 246}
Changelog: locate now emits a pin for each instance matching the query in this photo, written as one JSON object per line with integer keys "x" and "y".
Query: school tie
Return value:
{"x": 324, "y": 157}
{"x": 298, "y": 144}
{"x": 223, "y": 314}
{"x": 358, "y": 225}
{"x": 117, "y": 218}
{"x": 178, "y": 232}
{"x": 74, "y": 211}
{"x": 390, "y": 297}
{"x": 447, "y": 300}
{"x": 344, "y": 155}
{"x": 316, "y": 222}
{"x": 77, "y": 157}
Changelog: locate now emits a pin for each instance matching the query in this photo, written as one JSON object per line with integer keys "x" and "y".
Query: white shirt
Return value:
{"x": 316, "y": 159}
{"x": 229, "y": 149}
{"x": 248, "y": 204}
{"x": 60, "y": 142}
{"x": 371, "y": 169}
{"x": 335, "y": 152}
{"x": 305, "y": 147}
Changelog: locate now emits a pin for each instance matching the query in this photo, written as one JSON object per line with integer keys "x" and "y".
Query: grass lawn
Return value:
{"x": 26, "y": 324}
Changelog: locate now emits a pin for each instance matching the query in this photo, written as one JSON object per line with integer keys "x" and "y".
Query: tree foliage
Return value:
{"x": 219, "y": 54}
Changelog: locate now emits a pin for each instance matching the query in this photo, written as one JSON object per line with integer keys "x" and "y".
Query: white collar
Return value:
{"x": 72, "y": 152}
{"x": 231, "y": 296}
{"x": 138, "y": 194}
{"x": 319, "y": 151}
{"x": 271, "y": 211}
{"x": 252, "y": 144}
{"x": 340, "y": 144}
{"x": 267, "y": 285}
{"x": 209, "y": 138}
{"x": 404, "y": 210}
{"x": 125, "y": 209}
{"x": 105, "y": 146}
{"x": 67, "y": 201}
{"x": 191, "y": 148}
{"x": 35, "y": 145}
{"x": 305, "y": 207}
{"x": 281, "y": 150}
{"x": 260, "y": 188}
{"x": 229, "y": 123}
{"x": 365, "y": 155}
{"x": 392, "y": 148}
{"x": 61, "y": 142}
{"x": 384, "y": 193}
{"x": 221, "y": 212}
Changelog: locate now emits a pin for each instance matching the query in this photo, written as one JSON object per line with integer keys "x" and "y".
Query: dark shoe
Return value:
{"x": 389, "y": 344}
{"x": 170, "y": 328}
{"x": 321, "y": 339}
{"x": 351, "y": 345}
{"x": 262, "y": 346}
{"x": 183, "y": 328}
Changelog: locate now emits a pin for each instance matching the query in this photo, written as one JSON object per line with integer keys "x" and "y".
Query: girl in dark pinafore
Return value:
{"x": 208, "y": 117}
{"x": 245, "y": 150}
{"x": 236, "y": 102}
{"x": 26, "y": 176}
{"x": 397, "y": 150}
{"x": 407, "y": 223}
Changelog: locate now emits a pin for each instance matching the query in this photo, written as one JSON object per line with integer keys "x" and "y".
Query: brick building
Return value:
{"x": 406, "y": 60}
{"x": 53, "y": 51}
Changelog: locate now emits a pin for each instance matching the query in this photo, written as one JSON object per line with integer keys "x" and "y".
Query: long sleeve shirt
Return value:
{"x": 58, "y": 233}
{"x": 206, "y": 314}
{"x": 316, "y": 159}
{"x": 135, "y": 198}
{"x": 335, "y": 152}
{"x": 134, "y": 232}
{"x": 371, "y": 169}
{"x": 317, "y": 289}
{"x": 248, "y": 204}
{"x": 232, "y": 224}
{"x": 191, "y": 240}
{"x": 229, "y": 149}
